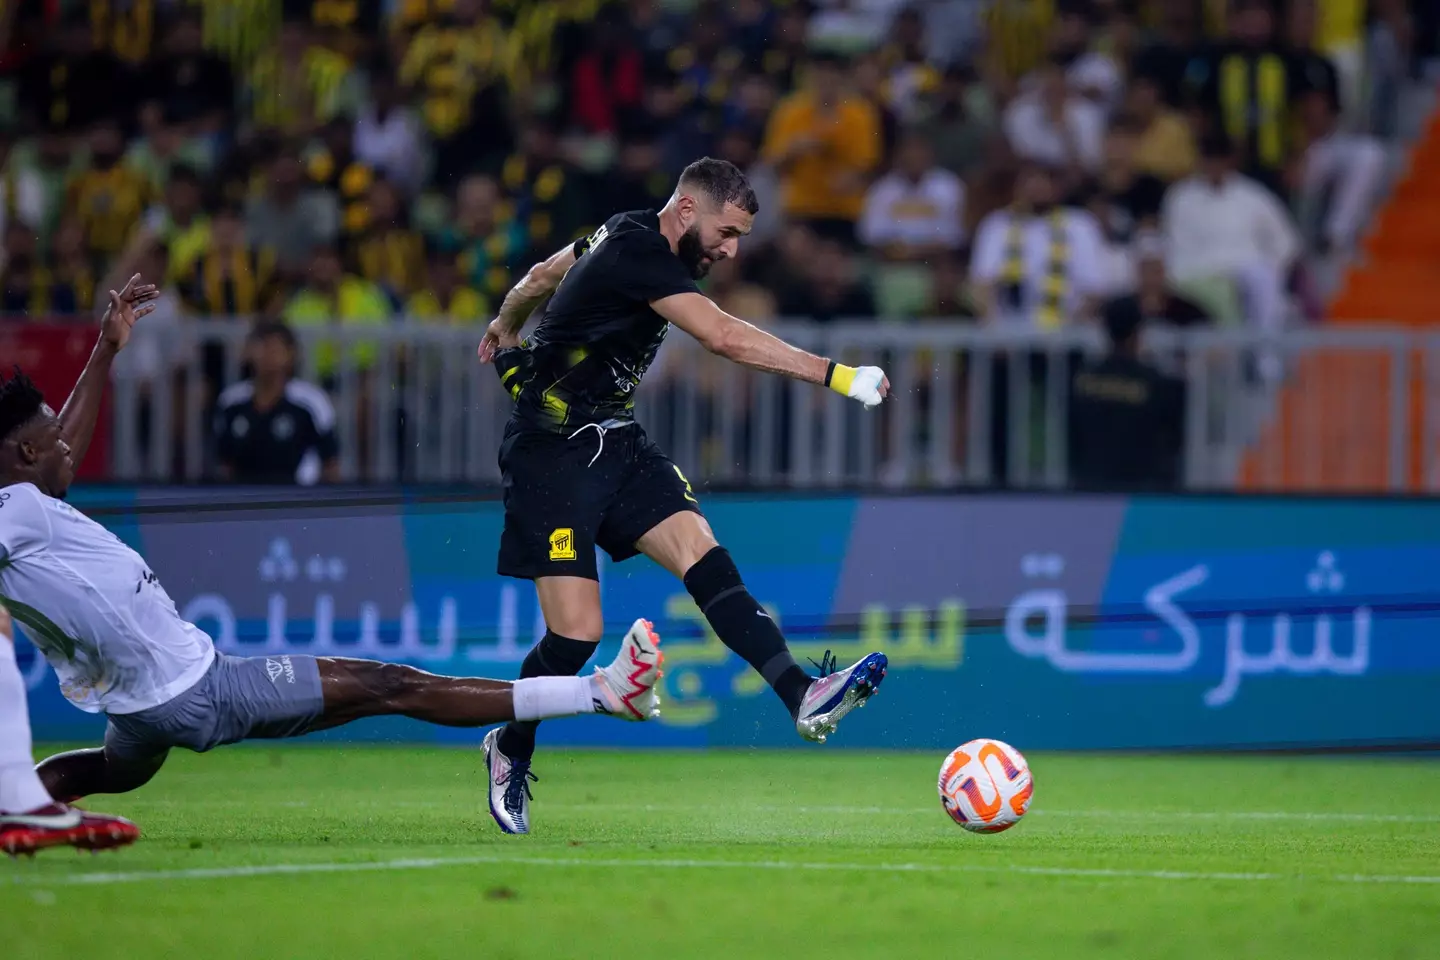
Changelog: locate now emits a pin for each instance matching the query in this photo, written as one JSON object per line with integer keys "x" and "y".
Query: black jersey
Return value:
{"x": 597, "y": 334}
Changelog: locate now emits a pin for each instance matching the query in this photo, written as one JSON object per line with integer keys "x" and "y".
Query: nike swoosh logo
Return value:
{"x": 63, "y": 821}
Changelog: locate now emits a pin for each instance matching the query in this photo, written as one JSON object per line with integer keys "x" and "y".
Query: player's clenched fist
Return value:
{"x": 866, "y": 384}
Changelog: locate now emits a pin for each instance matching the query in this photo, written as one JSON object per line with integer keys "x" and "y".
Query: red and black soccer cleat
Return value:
{"x": 59, "y": 825}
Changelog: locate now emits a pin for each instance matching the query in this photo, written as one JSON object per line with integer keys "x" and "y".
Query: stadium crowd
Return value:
{"x": 367, "y": 161}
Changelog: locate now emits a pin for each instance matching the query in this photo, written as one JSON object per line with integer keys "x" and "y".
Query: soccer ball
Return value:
{"x": 985, "y": 786}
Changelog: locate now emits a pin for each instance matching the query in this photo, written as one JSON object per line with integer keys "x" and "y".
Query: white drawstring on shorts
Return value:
{"x": 598, "y": 450}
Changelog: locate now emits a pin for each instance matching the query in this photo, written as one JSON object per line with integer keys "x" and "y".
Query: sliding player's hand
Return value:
{"x": 130, "y": 304}
{"x": 498, "y": 336}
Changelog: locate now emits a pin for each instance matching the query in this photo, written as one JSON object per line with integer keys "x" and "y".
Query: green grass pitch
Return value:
{"x": 328, "y": 851}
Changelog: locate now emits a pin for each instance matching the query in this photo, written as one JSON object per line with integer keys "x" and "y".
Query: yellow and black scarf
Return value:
{"x": 1049, "y": 314}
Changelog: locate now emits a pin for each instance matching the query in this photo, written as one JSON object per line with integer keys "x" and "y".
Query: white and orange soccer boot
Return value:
{"x": 624, "y": 689}
{"x": 836, "y": 693}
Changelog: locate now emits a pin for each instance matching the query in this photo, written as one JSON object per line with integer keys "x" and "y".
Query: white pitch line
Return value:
{"x": 859, "y": 811}
{"x": 282, "y": 869}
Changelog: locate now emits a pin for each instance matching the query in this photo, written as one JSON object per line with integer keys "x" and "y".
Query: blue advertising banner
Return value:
{"x": 1052, "y": 622}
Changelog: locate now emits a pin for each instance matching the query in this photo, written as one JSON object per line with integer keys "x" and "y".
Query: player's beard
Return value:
{"x": 692, "y": 253}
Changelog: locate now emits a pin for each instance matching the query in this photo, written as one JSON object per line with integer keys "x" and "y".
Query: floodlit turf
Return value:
{"x": 696, "y": 855}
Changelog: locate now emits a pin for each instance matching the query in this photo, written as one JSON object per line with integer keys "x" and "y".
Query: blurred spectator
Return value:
{"x": 728, "y": 288}
{"x": 1226, "y": 234}
{"x": 742, "y": 149}
{"x": 50, "y": 163}
{"x": 191, "y": 87}
{"x": 274, "y": 428}
{"x": 909, "y": 75}
{"x": 788, "y": 46}
{"x": 545, "y": 187}
{"x": 1051, "y": 124}
{"x": 638, "y": 182}
{"x": 1153, "y": 299}
{"x": 1340, "y": 174}
{"x": 162, "y": 147}
{"x": 1246, "y": 88}
{"x": 1037, "y": 262}
{"x": 915, "y": 212}
{"x": 332, "y": 168}
{"x": 296, "y": 85}
{"x": 1127, "y": 419}
{"x": 607, "y": 79}
{"x": 108, "y": 198}
{"x": 1015, "y": 32}
{"x": 332, "y": 296}
{"x": 947, "y": 290}
{"x": 444, "y": 297}
{"x": 487, "y": 241}
{"x": 1125, "y": 200}
{"x": 1166, "y": 60}
{"x": 227, "y": 276}
{"x": 847, "y": 26}
{"x": 73, "y": 84}
{"x": 457, "y": 63}
{"x": 1090, "y": 73}
{"x": 389, "y": 252}
{"x": 1392, "y": 42}
{"x": 387, "y": 135}
{"x": 824, "y": 143}
{"x": 180, "y": 223}
{"x": 125, "y": 27}
{"x": 25, "y": 285}
{"x": 656, "y": 29}
{"x": 71, "y": 272}
{"x": 751, "y": 24}
{"x": 958, "y": 119}
{"x": 831, "y": 289}
{"x": 22, "y": 189}
{"x": 290, "y": 219}
{"x": 704, "y": 65}
{"x": 1313, "y": 72}
{"x": 1167, "y": 143}
{"x": 867, "y": 78}
{"x": 751, "y": 102}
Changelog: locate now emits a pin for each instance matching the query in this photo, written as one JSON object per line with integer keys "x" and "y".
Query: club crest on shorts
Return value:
{"x": 562, "y": 544}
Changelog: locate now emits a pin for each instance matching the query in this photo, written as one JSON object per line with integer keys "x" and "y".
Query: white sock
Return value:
{"x": 540, "y": 698}
{"x": 20, "y": 789}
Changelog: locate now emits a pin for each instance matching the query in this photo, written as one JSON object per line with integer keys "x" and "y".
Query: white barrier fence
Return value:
{"x": 1353, "y": 409}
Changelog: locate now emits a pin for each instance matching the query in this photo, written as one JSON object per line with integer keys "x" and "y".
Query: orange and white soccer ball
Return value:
{"x": 986, "y": 786}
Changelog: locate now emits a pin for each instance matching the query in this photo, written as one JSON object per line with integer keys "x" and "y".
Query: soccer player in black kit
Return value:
{"x": 578, "y": 471}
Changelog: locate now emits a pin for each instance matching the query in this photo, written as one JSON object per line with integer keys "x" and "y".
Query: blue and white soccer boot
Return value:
{"x": 836, "y": 693}
{"x": 625, "y": 689}
{"x": 509, "y": 786}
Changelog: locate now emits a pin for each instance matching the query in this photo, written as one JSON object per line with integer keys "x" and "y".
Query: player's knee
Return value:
{"x": 581, "y": 623}
{"x": 391, "y": 681}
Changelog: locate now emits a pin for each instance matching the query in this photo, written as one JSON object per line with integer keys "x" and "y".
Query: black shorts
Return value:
{"x": 559, "y": 505}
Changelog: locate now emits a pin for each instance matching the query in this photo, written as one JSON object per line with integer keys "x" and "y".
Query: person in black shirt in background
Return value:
{"x": 273, "y": 428}
{"x": 1126, "y": 417}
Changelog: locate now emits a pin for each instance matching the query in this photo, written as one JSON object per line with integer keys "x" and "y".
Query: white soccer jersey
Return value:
{"x": 92, "y": 606}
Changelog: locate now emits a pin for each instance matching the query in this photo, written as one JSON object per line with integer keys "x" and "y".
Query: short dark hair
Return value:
{"x": 1216, "y": 145}
{"x": 721, "y": 182}
{"x": 20, "y": 402}
{"x": 1123, "y": 320}
{"x": 266, "y": 329}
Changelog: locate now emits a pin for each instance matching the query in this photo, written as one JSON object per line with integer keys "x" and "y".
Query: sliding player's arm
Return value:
{"x": 744, "y": 343}
{"x": 82, "y": 409}
{"x": 538, "y": 283}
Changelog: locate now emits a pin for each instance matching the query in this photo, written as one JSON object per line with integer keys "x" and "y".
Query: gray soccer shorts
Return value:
{"x": 239, "y": 698}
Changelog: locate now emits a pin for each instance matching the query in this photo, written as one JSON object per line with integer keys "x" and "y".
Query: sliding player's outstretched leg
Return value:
{"x": 624, "y": 689}
{"x": 684, "y": 544}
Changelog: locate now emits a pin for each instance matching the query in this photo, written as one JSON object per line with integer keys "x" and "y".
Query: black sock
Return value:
{"x": 553, "y": 656}
{"x": 744, "y": 626}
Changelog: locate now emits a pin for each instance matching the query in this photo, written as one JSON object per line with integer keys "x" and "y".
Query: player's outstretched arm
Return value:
{"x": 538, "y": 283}
{"x": 747, "y": 344}
{"x": 77, "y": 418}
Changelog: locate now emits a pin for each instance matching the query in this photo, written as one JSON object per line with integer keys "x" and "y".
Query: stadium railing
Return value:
{"x": 970, "y": 406}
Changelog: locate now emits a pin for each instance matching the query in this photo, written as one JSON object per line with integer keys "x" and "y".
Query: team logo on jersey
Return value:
{"x": 276, "y": 667}
{"x": 562, "y": 544}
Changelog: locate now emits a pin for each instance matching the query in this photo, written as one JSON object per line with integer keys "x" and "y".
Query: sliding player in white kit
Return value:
{"x": 91, "y": 605}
